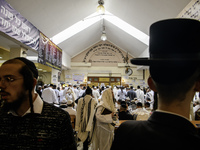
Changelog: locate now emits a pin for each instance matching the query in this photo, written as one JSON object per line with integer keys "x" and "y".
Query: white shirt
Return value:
{"x": 57, "y": 92}
{"x": 140, "y": 95}
{"x": 196, "y": 108}
{"x": 62, "y": 97}
{"x": 96, "y": 94}
{"x": 122, "y": 95}
{"x": 172, "y": 113}
{"x": 70, "y": 110}
{"x": 81, "y": 92}
{"x": 37, "y": 107}
{"x": 76, "y": 92}
{"x": 49, "y": 95}
{"x": 115, "y": 92}
{"x": 142, "y": 114}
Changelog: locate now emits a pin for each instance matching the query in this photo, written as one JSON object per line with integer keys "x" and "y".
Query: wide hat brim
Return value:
{"x": 173, "y": 42}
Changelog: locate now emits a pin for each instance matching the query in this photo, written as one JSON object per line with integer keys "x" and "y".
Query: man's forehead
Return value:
{"x": 11, "y": 69}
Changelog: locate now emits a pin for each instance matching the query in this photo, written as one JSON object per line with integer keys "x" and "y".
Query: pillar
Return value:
{"x": 18, "y": 52}
{"x": 55, "y": 76}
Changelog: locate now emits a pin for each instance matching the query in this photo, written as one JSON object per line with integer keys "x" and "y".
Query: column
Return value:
{"x": 54, "y": 77}
{"x": 18, "y": 52}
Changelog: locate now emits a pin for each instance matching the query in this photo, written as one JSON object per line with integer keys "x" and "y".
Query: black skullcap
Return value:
{"x": 88, "y": 90}
{"x": 30, "y": 65}
{"x": 124, "y": 105}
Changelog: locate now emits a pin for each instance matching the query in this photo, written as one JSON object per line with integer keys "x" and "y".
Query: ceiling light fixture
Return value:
{"x": 103, "y": 36}
{"x": 100, "y": 8}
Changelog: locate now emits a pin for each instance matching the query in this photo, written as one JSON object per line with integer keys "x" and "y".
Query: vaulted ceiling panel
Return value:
{"x": 124, "y": 40}
{"x": 52, "y": 17}
{"x": 82, "y": 40}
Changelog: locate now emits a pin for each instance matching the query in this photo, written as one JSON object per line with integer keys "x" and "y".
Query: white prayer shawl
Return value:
{"x": 104, "y": 131}
{"x": 107, "y": 100}
{"x": 69, "y": 94}
{"x": 84, "y": 123}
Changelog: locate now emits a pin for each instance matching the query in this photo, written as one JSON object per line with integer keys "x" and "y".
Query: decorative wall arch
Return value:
{"x": 102, "y": 54}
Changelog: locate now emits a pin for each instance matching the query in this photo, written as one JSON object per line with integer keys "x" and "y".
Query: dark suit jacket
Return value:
{"x": 160, "y": 131}
{"x": 125, "y": 116}
{"x": 131, "y": 94}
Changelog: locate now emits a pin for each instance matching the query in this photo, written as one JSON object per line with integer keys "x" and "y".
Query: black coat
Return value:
{"x": 160, "y": 131}
{"x": 125, "y": 116}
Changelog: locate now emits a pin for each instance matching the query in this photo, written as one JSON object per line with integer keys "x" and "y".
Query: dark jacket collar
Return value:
{"x": 172, "y": 120}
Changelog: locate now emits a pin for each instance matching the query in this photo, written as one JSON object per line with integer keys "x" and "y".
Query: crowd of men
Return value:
{"x": 130, "y": 103}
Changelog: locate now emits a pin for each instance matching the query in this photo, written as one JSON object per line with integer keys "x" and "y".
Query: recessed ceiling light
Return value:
{"x": 95, "y": 17}
{"x": 76, "y": 28}
{"x": 141, "y": 36}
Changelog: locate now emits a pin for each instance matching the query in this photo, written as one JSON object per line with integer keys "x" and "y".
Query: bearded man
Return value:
{"x": 26, "y": 122}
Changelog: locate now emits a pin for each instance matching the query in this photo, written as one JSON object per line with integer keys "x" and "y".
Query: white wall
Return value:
{"x": 135, "y": 79}
{"x": 145, "y": 53}
{"x": 66, "y": 60}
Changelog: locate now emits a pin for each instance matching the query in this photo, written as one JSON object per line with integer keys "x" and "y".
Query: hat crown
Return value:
{"x": 174, "y": 38}
{"x": 174, "y": 45}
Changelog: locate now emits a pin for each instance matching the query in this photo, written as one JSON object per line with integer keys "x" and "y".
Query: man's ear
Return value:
{"x": 34, "y": 82}
{"x": 151, "y": 84}
{"x": 197, "y": 86}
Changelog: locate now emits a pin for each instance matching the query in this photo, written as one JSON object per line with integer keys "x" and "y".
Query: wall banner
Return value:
{"x": 16, "y": 26}
{"x": 192, "y": 10}
{"x": 78, "y": 77}
{"x": 49, "y": 53}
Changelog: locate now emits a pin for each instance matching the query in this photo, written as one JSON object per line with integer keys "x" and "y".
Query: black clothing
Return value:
{"x": 49, "y": 130}
{"x": 125, "y": 115}
{"x": 86, "y": 144}
{"x": 160, "y": 131}
{"x": 39, "y": 92}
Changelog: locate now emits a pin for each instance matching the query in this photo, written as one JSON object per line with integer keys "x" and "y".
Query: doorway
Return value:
{"x": 104, "y": 81}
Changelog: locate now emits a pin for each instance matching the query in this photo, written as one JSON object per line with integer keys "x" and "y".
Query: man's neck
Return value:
{"x": 178, "y": 107}
{"x": 25, "y": 105}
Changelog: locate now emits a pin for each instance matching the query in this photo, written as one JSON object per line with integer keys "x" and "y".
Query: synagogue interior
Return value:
{"x": 90, "y": 43}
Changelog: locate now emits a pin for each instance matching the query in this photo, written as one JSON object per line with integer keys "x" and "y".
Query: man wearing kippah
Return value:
{"x": 26, "y": 122}
{"x": 175, "y": 76}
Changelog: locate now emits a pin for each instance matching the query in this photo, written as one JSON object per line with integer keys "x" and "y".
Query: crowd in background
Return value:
{"x": 128, "y": 101}
{"x": 119, "y": 102}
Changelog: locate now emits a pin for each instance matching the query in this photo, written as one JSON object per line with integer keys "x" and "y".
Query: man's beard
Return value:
{"x": 22, "y": 96}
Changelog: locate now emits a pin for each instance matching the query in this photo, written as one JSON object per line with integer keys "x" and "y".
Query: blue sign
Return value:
{"x": 16, "y": 26}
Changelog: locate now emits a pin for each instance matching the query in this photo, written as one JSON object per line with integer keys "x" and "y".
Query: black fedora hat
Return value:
{"x": 173, "y": 42}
